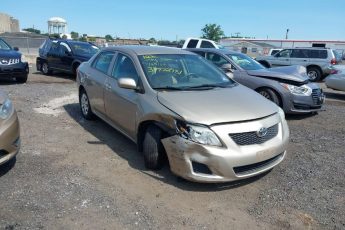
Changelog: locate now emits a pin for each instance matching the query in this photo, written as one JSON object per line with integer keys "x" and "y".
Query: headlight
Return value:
{"x": 6, "y": 109}
{"x": 281, "y": 113}
{"x": 303, "y": 90}
{"x": 197, "y": 133}
{"x": 23, "y": 58}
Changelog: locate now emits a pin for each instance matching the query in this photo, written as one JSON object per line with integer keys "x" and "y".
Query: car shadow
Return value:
{"x": 60, "y": 75}
{"x": 300, "y": 116}
{"x": 9, "y": 82}
{"x": 5, "y": 168}
{"x": 337, "y": 96}
{"x": 127, "y": 150}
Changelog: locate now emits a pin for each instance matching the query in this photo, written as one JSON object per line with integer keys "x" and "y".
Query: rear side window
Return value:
{"x": 206, "y": 44}
{"x": 192, "y": 43}
{"x": 103, "y": 61}
{"x": 299, "y": 53}
{"x": 322, "y": 54}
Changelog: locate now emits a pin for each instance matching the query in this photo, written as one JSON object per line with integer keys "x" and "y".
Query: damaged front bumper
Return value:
{"x": 202, "y": 163}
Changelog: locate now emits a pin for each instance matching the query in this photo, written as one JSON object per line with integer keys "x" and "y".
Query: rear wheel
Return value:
{"x": 153, "y": 149}
{"x": 314, "y": 74}
{"x": 85, "y": 106}
{"x": 270, "y": 95}
{"x": 45, "y": 69}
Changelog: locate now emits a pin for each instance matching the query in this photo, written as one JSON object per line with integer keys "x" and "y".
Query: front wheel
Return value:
{"x": 153, "y": 149}
{"x": 85, "y": 106}
{"x": 270, "y": 95}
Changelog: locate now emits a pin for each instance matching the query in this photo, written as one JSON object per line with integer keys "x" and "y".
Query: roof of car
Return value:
{"x": 144, "y": 50}
{"x": 220, "y": 51}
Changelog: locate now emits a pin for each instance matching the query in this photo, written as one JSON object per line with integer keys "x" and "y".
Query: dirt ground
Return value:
{"x": 78, "y": 174}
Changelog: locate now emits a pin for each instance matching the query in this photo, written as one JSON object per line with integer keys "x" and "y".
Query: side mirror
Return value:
{"x": 68, "y": 53}
{"x": 15, "y": 48}
{"x": 127, "y": 83}
{"x": 227, "y": 67}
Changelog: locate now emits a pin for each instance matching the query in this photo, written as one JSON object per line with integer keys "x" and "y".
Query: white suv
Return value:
{"x": 201, "y": 43}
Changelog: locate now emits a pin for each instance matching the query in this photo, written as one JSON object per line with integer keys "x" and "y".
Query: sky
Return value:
{"x": 179, "y": 19}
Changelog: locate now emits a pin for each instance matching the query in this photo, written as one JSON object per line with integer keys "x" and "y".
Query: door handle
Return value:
{"x": 107, "y": 86}
{"x": 305, "y": 60}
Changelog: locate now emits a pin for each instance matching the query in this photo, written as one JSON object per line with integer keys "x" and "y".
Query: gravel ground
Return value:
{"x": 77, "y": 174}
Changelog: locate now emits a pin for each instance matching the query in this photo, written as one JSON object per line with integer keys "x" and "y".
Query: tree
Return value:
{"x": 213, "y": 32}
{"x": 108, "y": 37}
{"x": 74, "y": 35}
{"x": 152, "y": 41}
{"x": 32, "y": 30}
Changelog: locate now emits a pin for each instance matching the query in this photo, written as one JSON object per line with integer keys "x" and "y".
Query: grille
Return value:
{"x": 316, "y": 95}
{"x": 11, "y": 61}
{"x": 252, "y": 138}
{"x": 246, "y": 169}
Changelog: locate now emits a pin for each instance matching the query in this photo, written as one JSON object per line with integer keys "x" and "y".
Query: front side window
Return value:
{"x": 245, "y": 62}
{"x": 284, "y": 54}
{"x": 124, "y": 68}
{"x": 216, "y": 59}
{"x": 103, "y": 61}
{"x": 182, "y": 72}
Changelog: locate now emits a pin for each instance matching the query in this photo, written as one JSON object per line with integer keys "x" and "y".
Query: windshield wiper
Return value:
{"x": 168, "y": 88}
{"x": 206, "y": 86}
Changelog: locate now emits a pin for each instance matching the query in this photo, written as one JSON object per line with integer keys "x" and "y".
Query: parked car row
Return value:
{"x": 288, "y": 87}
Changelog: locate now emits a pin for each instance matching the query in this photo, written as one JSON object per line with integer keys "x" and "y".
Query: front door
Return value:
{"x": 282, "y": 58}
{"x": 121, "y": 104}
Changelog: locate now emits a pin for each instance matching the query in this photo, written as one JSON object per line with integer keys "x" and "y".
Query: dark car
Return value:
{"x": 11, "y": 65}
{"x": 287, "y": 86}
{"x": 63, "y": 55}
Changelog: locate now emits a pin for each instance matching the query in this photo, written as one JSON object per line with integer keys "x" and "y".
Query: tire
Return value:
{"x": 266, "y": 64}
{"x": 85, "y": 107}
{"x": 45, "y": 69}
{"x": 314, "y": 74}
{"x": 22, "y": 79}
{"x": 270, "y": 95}
{"x": 153, "y": 148}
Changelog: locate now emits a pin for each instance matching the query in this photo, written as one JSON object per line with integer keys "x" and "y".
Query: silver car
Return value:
{"x": 288, "y": 86}
{"x": 175, "y": 105}
{"x": 318, "y": 61}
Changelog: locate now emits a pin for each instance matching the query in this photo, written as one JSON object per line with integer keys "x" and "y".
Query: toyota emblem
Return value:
{"x": 262, "y": 132}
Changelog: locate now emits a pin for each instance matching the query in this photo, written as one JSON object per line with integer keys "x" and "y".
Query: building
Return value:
{"x": 57, "y": 25}
{"x": 8, "y": 23}
{"x": 252, "y": 49}
{"x": 232, "y": 43}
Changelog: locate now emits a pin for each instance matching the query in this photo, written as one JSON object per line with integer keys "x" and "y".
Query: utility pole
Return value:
{"x": 287, "y": 34}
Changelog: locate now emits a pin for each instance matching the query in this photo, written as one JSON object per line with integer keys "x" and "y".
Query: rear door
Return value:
{"x": 53, "y": 55}
{"x": 121, "y": 104}
{"x": 96, "y": 78}
{"x": 66, "y": 57}
{"x": 282, "y": 58}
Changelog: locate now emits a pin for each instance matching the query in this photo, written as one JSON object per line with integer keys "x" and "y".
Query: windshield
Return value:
{"x": 84, "y": 49}
{"x": 4, "y": 46}
{"x": 245, "y": 62}
{"x": 182, "y": 72}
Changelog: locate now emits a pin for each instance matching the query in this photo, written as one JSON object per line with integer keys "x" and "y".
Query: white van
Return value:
{"x": 201, "y": 43}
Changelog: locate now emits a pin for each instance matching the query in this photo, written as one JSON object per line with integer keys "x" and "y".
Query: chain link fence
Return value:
{"x": 26, "y": 45}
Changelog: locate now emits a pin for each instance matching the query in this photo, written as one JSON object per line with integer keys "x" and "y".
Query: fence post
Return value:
{"x": 27, "y": 42}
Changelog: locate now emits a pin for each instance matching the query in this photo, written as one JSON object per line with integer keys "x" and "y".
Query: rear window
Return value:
{"x": 206, "y": 44}
{"x": 192, "y": 43}
{"x": 322, "y": 54}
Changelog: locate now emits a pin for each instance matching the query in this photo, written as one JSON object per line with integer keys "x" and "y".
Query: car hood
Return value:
{"x": 219, "y": 105}
{"x": 9, "y": 54}
{"x": 295, "y": 75}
